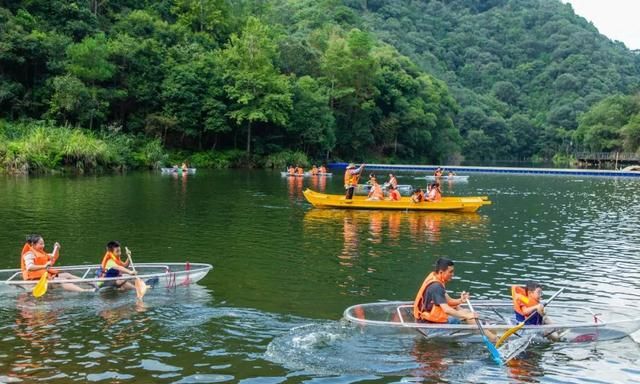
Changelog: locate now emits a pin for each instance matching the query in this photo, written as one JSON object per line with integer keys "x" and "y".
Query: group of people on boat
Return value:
{"x": 433, "y": 194}
{"x": 35, "y": 262}
{"x": 182, "y": 168}
{"x": 299, "y": 171}
{"x": 376, "y": 192}
{"x": 439, "y": 172}
{"x": 352, "y": 175}
{"x": 434, "y": 305}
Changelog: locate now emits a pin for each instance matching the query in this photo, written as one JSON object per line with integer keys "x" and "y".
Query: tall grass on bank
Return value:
{"x": 39, "y": 147}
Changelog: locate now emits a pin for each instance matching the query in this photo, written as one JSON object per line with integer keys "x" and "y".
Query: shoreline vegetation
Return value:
{"x": 41, "y": 147}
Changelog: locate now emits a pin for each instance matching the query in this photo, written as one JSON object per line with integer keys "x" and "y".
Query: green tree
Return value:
{"x": 259, "y": 93}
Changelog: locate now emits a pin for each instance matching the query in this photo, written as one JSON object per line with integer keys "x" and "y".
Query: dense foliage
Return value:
{"x": 522, "y": 71}
{"x": 395, "y": 80}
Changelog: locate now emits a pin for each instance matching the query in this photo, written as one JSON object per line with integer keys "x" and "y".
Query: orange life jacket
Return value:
{"x": 376, "y": 192}
{"x": 395, "y": 195}
{"x": 110, "y": 256}
{"x": 350, "y": 179}
{"x": 393, "y": 181}
{"x": 434, "y": 195}
{"x": 437, "y": 314}
{"x": 521, "y": 300}
{"x": 292, "y": 171}
{"x": 323, "y": 170}
{"x": 41, "y": 258}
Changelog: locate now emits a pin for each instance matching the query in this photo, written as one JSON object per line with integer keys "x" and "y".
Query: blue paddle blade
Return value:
{"x": 495, "y": 354}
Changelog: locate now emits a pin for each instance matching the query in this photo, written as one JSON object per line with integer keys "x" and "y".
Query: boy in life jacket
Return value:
{"x": 433, "y": 305}
{"x": 113, "y": 266}
{"x": 526, "y": 301}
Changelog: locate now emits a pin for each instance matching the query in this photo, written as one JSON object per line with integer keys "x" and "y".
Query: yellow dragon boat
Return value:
{"x": 454, "y": 204}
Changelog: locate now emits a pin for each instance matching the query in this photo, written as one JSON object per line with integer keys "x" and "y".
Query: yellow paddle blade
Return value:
{"x": 41, "y": 287}
{"x": 509, "y": 332}
{"x": 141, "y": 288}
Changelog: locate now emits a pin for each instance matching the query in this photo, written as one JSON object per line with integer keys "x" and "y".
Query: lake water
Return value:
{"x": 270, "y": 311}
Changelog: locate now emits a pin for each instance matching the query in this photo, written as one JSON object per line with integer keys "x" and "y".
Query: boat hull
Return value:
{"x": 453, "y": 204}
{"x": 168, "y": 275}
{"x": 179, "y": 171}
{"x": 572, "y": 323}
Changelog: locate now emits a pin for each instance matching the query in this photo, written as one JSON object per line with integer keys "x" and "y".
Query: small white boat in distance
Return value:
{"x": 179, "y": 171}
{"x": 459, "y": 178}
{"x": 306, "y": 174}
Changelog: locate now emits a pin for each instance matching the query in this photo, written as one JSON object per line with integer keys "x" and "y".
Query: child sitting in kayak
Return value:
{"x": 526, "y": 301}
{"x": 113, "y": 266}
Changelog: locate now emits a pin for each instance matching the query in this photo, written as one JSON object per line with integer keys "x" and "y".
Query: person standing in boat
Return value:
{"x": 351, "y": 177}
{"x": 433, "y": 305}
{"x": 113, "y": 266}
{"x": 34, "y": 262}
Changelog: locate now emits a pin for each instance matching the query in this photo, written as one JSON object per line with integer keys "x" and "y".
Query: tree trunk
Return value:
{"x": 249, "y": 138}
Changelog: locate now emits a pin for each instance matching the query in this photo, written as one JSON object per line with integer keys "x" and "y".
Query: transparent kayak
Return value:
{"x": 190, "y": 171}
{"x": 445, "y": 178}
{"x": 306, "y": 174}
{"x": 154, "y": 274}
{"x": 569, "y": 323}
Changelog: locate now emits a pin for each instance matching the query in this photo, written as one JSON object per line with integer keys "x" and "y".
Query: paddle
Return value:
{"x": 515, "y": 329}
{"x": 141, "y": 287}
{"x": 42, "y": 285}
{"x": 495, "y": 354}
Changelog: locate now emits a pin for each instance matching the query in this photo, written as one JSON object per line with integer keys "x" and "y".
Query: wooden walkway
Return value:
{"x": 607, "y": 159}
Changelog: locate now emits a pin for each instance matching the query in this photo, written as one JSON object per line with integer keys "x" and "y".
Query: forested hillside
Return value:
{"x": 522, "y": 71}
{"x": 268, "y": 82}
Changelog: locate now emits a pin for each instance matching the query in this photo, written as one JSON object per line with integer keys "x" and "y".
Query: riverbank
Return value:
{"x": 41, "y": 147}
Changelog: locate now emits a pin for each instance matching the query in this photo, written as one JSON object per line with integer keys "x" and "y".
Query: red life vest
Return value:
{"x": 521, "y": 300}
{"x": 110, "y": 256}
{"x": 41, "y": 258}
{"x": 395, "y": 195}
{"x": 436, "y": 314}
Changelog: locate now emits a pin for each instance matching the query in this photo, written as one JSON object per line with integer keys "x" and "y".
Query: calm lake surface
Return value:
{"x": 270, "y": 310}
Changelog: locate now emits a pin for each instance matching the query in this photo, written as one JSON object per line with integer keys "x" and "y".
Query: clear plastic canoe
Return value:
{"x": 458, "y": 178}
{"x": 573, "y": 323}
{"x": 306, "y": 174}
{"x": 190, "y": 171}
{"x": 155, "y": 274}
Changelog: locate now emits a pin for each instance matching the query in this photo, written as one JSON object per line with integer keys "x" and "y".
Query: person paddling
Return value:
{"x": 351, "y": 177}
{"x": 433, "y": 305}
{"x": 34, "y": 262}
{"x": 113, "y": 266}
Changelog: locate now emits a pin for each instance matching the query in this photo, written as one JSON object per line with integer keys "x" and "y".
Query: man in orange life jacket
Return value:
{"x": 434, "y": 305}
{"x": 113, "y": 266}
{"x": 351, "y": 177}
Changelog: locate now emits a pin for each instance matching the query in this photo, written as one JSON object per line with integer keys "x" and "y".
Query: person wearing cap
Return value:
{"x": 351, "y": 177}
